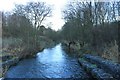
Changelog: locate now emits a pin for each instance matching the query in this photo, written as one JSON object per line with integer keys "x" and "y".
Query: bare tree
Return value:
{"x": 37, "y": 12}
{"x": 118, "y": 8}
{"x": 87, "y": 21}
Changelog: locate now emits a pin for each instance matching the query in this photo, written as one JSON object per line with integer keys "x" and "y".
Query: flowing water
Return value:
{"x": 50, "y": 63}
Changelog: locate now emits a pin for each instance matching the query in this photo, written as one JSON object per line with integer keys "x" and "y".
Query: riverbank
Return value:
{"x": 14, "y": 51}
{"x": 75, "y": 50}
{"x": 96, "y": 66}
{"x": 108, "y": 52}
{"x": 100, "y": 68}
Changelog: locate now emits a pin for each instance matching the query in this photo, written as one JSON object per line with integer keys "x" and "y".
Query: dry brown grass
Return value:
{"x": 111, "y": 52}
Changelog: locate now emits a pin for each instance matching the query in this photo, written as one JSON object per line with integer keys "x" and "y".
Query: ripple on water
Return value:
{"x": 51, "y": 63}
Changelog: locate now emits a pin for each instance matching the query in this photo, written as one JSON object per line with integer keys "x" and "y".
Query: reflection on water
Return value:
{"x": 51, "y": 63}
{"x": 55, "y": 54}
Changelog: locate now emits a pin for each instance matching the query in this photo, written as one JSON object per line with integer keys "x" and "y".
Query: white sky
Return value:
{"x": 55, "y": 22}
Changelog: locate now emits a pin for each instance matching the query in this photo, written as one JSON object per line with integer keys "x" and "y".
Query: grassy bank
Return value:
{"x": 17, "y": 48}
{"x": 109, "y": 52}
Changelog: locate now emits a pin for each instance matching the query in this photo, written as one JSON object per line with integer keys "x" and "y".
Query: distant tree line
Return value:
{"x": 92, "y": 23}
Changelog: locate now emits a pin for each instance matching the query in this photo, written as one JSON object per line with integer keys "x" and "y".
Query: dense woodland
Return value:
{"x": 91, "y": 25}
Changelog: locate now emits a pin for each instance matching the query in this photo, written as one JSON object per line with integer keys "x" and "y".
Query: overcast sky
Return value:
{"x": 56, "y": 21}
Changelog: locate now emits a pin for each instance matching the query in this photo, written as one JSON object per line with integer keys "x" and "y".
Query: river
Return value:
{"x": 50, "y": 63}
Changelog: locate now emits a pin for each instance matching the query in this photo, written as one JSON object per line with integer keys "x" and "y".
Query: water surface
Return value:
{"x": 50, "y": 63}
